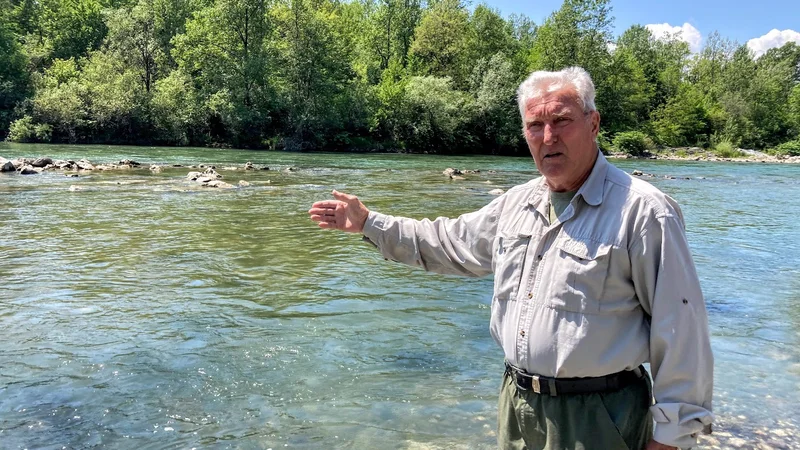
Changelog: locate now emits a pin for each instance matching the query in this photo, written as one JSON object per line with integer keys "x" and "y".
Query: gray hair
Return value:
{"x": 541, "y": 82}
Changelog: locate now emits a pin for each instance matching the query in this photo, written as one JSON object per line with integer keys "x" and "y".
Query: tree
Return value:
{"x": 313, "y": 70}
{"x": 132, "y": 37}
{"x": 71, "y": 28}
{"x": 491, "y": 34}
{"x": 576, "y": 35}
{"x": 494, "y": 85}
{"x": 225, "y": 50}
{"x": 626, "y": 92}
{"x": 684, "y": 119}
{"x": 442, "y": 42}
{"x": 14, "y": 79}
{"x": 437, "y": 111}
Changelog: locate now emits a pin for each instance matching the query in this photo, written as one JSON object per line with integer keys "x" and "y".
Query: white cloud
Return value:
{"x": 686, "y": 33}
{"x": 611, "y": 47}
{"x": 773, "y": 39}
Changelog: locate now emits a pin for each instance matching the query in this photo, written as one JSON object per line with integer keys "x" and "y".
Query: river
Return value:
{"x": 140, "y": 311}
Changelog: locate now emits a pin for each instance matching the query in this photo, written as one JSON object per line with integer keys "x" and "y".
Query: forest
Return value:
{"x": 435, "y": 76}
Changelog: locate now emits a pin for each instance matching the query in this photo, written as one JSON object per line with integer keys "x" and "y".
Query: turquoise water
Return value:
{"x": 141, "y": 311}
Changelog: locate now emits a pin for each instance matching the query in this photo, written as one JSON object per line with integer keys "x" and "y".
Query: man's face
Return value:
{"x": 561, "y": 138}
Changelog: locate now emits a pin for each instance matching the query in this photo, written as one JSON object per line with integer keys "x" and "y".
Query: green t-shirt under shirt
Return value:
{"x": 559, "y": 202}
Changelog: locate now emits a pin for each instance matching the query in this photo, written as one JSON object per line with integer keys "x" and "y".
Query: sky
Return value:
{"x": 750, "y": 22}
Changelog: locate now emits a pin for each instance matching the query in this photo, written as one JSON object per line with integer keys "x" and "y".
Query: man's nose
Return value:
{"x": 550, "y": 134}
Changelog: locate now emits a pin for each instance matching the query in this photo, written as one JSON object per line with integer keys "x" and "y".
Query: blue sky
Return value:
{"x": 737, "y": 20}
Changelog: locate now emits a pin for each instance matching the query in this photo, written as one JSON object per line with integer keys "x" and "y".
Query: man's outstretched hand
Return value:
{"x": 346, "y": 213}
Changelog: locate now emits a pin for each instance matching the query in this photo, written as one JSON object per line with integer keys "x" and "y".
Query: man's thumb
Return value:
{"x": 341, "y": 196}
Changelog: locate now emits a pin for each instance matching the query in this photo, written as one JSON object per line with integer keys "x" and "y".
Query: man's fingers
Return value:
{"x": 322, "y": 211}
{"x": 326, "y": 204}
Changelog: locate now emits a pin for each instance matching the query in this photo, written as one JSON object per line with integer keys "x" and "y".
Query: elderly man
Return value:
{"x": 592, "y": 278}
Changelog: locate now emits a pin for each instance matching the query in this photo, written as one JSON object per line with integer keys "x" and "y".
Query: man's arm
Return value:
{"x": 681, "y": 361}
{"x": 461, "y": 246}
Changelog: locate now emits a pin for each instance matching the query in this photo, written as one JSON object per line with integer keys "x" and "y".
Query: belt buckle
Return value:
{"x": 535, "y": 385}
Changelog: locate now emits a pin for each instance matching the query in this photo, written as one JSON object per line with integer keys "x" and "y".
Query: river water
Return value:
{"x": 138, "y": 310}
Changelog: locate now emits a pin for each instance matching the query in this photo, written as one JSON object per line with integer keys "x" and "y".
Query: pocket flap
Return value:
{"x": 584, "y": 248}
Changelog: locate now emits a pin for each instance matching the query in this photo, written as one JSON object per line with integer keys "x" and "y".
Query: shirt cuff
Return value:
{"x": 679, "y": 424}
{"x": 374, "y": 226}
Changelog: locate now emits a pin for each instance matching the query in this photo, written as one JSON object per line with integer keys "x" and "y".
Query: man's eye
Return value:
{"x": 562, "y": 120}
{"x": 535, "y": 126}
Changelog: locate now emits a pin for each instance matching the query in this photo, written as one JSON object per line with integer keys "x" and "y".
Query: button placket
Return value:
{"x": 526, "y": 313}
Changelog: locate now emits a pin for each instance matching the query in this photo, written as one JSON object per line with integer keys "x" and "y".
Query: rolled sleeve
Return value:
{"x": 681, "y": 360}
{"x": 460, "y": 246}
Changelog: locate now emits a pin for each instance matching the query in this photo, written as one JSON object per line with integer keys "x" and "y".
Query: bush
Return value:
{"x": 634, "y": 143}
{"x": 725, "y": 149}
{"x": 604, "y": 143}
{"x": 25, "y": 130}
{"x": 791, "y": 148}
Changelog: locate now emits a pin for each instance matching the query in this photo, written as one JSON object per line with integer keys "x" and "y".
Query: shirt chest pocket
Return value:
{"x": 510, "y": 252}
{"x": 580, "y": 274}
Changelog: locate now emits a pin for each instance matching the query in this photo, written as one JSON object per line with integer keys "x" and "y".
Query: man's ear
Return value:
{"x": 595, "y": 123}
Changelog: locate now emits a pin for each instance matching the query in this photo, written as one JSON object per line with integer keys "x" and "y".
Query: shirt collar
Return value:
{"x": 592, "y": 189}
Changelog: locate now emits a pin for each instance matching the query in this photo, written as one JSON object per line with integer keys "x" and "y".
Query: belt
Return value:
{"x": 558, "y": 386}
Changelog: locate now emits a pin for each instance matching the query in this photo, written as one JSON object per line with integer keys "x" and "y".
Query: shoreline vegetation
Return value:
{"x": 355, "y": 74}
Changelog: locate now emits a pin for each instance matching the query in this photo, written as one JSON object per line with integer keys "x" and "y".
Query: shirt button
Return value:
{"x": 539, "y": 257}
{"x": 530, "y": 294}
{"x": 522, "y": 333}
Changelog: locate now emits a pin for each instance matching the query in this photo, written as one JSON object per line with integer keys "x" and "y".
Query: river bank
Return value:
{"x": 698, "y": 154}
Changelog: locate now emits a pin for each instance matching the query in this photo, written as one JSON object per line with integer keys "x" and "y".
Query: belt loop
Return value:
{"x": 638, "y": 372}
{"x": 552, "y": 384}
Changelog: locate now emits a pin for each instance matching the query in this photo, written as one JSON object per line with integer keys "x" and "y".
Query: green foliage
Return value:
{"x": 437, "y": 76}
{"x": 684, "y": 120}
{"x": 633, "y": 143}
{"x": 604, "y": 143}
{"x": 442, "y": 42}
{"x": 790, "y": 148}
{"x": 494, "y": 85}
{"x": 726, "y": 149}
{"x": 14, "y": 78}
{"x": 71, "y": 28}
{"x": 436, "y": 111}
{"x": 25, "y": 130}
{"x": 176, "y": 109}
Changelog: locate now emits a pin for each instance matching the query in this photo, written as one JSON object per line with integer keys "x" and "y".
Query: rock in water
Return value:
{"x": 84, "y": 165}
{"x": 249, "y": 166}
{"x": 210, "y": 172}
{"x": 496, "y": 192}
{"x": 42, "y": 162}
{"x": 243, "y": 183}
{"x": 218, "y": 184}
{"x": 75, "y": 188}
{"x": 450, "y": 172}
{"x": 637, "y": 173}
{"x": 155, "y": 169}
{"x": 28, "y": 170}
{"x": 193, "y": 176}
{"x": 7, "y": 166}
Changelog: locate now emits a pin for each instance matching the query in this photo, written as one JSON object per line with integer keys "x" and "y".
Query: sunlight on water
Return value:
{"x": 140, "y": 310}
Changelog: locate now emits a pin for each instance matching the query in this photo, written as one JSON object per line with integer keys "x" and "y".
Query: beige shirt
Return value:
{"x": 608, "y": 286}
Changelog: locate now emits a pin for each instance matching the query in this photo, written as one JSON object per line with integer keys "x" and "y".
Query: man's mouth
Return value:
{"x": 552, "y": 155}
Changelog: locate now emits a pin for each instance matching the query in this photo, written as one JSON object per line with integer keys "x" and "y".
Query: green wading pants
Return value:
{"x": 618, "y": 420}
